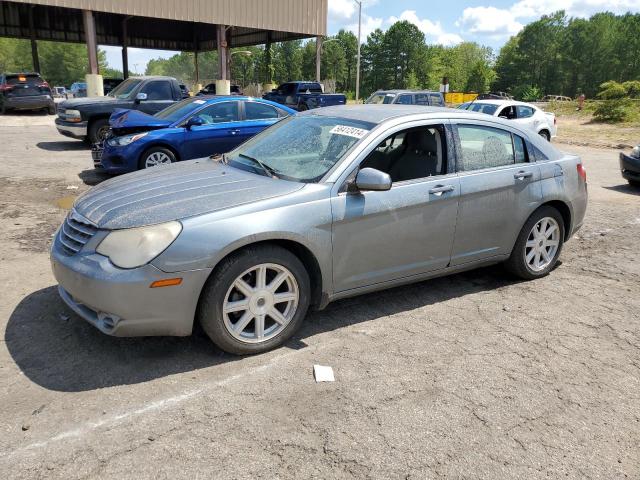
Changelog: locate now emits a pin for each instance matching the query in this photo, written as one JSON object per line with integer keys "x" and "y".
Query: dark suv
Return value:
{"x": 25, "y": 91}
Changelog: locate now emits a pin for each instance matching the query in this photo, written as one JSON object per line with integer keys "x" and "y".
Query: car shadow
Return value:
{"x": 625, "y": 188}
{"x": 93, "y": 176}
{"x": 62, "y": 146}
{"x": 59, "y": 351}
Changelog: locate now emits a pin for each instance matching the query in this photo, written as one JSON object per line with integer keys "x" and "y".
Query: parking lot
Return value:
{"x": 470, "y": 376}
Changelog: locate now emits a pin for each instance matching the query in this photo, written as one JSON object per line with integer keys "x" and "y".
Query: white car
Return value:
{"x": 530, "y": 116}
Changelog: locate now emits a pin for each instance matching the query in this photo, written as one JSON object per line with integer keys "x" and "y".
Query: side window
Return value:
{"x": 288, "y": 89}
{"x": 259, "y": 111}
{"x": 484, "y": 147}
{"x": 524, "y": 111}
{"x": 405, "y": 99}
{"x": 411, "y": 154}
{"x": 422, "y": 99}
{"x": 219, "y": 113}
{"x": 520, "y": 149}
{"x": 508, "y": 112}
{"x": 158, "y": 91}
{"x": 436, "y": 100}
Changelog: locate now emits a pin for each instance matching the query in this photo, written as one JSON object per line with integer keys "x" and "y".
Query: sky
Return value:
{"x": 488, "y": 22}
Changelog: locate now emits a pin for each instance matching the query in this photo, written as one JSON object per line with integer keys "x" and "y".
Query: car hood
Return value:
{"x": 130, "y": 121}
{"x": 79, "y": 102}
{"x": 173, "y": 192}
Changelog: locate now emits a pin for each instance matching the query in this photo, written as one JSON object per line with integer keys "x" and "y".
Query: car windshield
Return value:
{"x": 302, "y": 149}
{"x": 178, "y": 110}
{"x": 487, "y": 108}
{"x": 124, "y": 89}
{"x": 381, "y": 97}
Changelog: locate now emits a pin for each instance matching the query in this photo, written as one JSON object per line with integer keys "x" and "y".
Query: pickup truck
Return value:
{"x": 88, "y": 118}
{"x": 304, "y": 96}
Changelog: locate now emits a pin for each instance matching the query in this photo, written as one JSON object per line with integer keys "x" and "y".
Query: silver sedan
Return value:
{"x": 329, "y": 204}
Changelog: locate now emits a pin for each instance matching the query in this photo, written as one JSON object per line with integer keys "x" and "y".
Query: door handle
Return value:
{"x": 522, "y": 175}
{"x": 440, "y": 189}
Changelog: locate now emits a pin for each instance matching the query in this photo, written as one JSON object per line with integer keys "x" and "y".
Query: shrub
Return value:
{"x": 613, "y": 110}
{"x": 612, "y": 90}
{"x": 632, "y": 88}
{"x": 527, "y": 93}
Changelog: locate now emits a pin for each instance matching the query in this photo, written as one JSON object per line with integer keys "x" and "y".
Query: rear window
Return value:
{"x": 311, "y": 88}
{"x": 24, "y": 79}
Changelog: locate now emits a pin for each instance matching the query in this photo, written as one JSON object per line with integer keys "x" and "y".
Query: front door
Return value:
{"x": 499, "y": 188}
{"x": 405, "y": 231}
{"x": 219, "y": 132}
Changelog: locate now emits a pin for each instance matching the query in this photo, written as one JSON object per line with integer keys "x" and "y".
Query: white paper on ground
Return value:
{"x": 323, "y": 374}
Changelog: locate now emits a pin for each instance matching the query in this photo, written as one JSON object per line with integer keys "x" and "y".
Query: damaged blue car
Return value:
{"x": 194, "y": 128}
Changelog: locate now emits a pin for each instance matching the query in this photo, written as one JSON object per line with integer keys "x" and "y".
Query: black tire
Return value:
{"x": 213, "y": 295}
{"x": 51, "y": 110}
{"x": 545, "y": 134}
{"x": 303, "y": 108}
{"x": 516, "y": 264}
{"x": 98, "y": 130}
{"x": 634, "y": 183}
{"x": 142, "y": 164}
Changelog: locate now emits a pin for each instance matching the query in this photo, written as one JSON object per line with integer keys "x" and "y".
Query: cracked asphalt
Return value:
{"x": 473, "y": 376}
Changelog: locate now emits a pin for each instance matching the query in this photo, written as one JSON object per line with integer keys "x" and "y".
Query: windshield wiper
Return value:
{"x": 266, "y": 168}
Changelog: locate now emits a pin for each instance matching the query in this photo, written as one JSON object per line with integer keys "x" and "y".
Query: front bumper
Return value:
{"x": 630, "y": 167}
{"x": 120, "y": 302}
{"x": 77, "y": 130}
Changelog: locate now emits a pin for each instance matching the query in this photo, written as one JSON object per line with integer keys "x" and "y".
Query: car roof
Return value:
{"x": 376, "y": 113}
{"x": 492, "y": 101}
{"x": 398, "y": 90}
{"x": 218, "y": 98}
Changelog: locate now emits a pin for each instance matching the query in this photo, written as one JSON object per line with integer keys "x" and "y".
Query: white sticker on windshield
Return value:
{"x": 199, "y": 102}
{"x": 349, "y": 131}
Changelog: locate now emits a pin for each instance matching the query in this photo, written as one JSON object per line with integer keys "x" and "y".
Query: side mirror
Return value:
{"x": 195, "y": 121}
{"x": 140, "y": 97}
{"x": 372, "y": 179}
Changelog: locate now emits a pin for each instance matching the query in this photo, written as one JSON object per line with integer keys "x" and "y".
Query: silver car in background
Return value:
{"x": 329, "y": 204}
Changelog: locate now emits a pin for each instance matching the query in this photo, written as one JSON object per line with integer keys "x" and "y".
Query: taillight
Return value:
{"x": 582, "y": 172}
{"x": 43, "y": 85}
{"x": 6, "y": 88}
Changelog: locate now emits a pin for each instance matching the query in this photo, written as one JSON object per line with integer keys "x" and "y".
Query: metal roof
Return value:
{"x": 167, "y": 24}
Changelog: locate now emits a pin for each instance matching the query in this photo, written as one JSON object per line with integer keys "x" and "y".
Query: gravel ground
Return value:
{"x": 472, "y": 376}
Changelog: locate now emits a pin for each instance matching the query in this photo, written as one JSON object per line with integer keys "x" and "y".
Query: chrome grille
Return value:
{"x": 75, "y": 233}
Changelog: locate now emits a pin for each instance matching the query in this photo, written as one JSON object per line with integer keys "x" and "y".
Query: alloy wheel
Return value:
{"x": 260, "y": 303}
{"x": 542, "y": 244}
{"x": 156, "y": 158}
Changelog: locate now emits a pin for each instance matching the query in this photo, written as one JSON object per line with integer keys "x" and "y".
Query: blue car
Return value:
{"x": 193, "y": 128}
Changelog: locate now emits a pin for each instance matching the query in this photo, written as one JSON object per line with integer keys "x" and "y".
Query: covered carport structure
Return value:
{"x": 187, "y": 25}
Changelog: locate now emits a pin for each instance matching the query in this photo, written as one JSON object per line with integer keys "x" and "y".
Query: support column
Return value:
{"x": 196, "y": 87}
{"x": 34, "y": 45}
{"x": 125, "y": 44}
{"x": 268, "y": 85}
{"x": 93, "y": 78}
{"x": 223, "y": 86}
{"x": 318, "y": 58}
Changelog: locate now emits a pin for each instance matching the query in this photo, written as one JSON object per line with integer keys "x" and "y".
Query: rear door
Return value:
{"x": 159, "y": 96}
{"x": 525, "y": 116}
{"x": 499, "y": 188}
{"x": 256, "y": 117}
{"x": 219, "y": 133}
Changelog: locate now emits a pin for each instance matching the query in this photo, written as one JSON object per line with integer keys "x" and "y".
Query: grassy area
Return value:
{"x": 579, "y": 127}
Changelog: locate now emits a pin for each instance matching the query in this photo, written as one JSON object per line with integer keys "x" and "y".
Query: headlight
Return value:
{"x": 72, "y": 115}
{"x": 636, "y": 152}
{"x": 134, "y": 247}
{"x": 125, "y": 139}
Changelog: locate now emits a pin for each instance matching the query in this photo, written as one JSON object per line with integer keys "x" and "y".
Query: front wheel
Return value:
{"x": 255, "y": 300}
{"x": 538, "y": 245}
{"x": 98, "y": 130}
{"x": 51, "y": 110}
{"x": 156, "y": 156}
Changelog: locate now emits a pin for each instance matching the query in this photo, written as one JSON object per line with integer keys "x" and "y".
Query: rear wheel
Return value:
{"x": 634, "y": 183}
{"x": 98, "y": 130}
{"x": 545, "y": 134}
{"x": 156, "y": 156}
{"x": 255, "y": 300}
{"x": 538, "y": 245}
